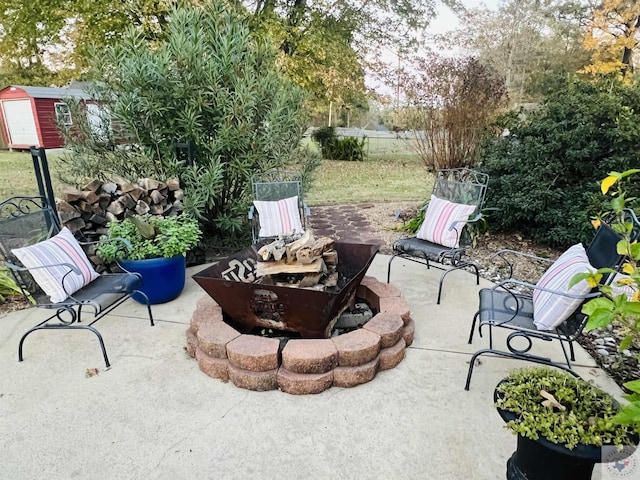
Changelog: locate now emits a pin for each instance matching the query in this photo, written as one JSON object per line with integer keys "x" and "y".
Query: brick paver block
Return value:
{"x": 206, "y": 302}
{"x": 392, "y": 356}
{"x": 303, "y": 383}
{"x": 205, "y": 315}
{"x": 362, "y": 289}
{"x": 395, "y": 305}
{"x": 214, "y": 367}
{"x": 258, "y": 354}
{"x": 213, "y": 338}
{"x": 310, "y": 356}
{"x": 192, "y": 343}
{"x": 351, "y": 376}
{"x": 408, "y": 331}
{"x": 388, "y": 326}
{"x": 378, "y": 290}
{"x": 258, "y": 381}
{"x": 357, "y": 347}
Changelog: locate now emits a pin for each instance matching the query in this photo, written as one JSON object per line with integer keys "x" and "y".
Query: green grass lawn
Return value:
{"x": 377, "y": 179}
{"x": 17, "y": 176}
{"x": 389, "y": 178}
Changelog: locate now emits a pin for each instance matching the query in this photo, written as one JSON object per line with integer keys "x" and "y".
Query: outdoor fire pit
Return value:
{"x": 308, "y": 312}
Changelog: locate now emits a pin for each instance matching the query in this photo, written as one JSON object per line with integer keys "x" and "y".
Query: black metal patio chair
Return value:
{"x": 444, "y": 237}
{"x": 278, "y": 204}
{"x": 511, "y": 303}
{"x": 53, "y": 271}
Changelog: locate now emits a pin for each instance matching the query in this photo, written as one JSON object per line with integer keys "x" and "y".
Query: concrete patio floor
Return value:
{"x": 155, "y": 415}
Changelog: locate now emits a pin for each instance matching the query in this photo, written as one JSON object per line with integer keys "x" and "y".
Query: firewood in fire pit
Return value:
{"x": 311, "y": 252}
{"x": 277, "y": 249}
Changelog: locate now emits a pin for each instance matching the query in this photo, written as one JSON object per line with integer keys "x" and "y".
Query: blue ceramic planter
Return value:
{"x": 162, "y": 278}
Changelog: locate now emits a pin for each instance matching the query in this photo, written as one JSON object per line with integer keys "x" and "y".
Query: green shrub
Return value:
{"x": 208, "y": 80}
{"x": 544, "y": 175}
{"x": 334, "y": 148}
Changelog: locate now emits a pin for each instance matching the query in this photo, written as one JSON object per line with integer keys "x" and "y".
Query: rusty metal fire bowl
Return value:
{"x": 310, "y": 313}
{"x": 227, "y": 351}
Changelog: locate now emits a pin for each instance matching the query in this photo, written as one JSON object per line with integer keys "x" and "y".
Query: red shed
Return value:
{"x": 29, "y": 114}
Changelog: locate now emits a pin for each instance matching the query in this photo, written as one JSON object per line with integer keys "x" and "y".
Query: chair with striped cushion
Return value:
{"x": 278, "y": 205}
{"x": 443, "y": 239}
{"x": 548, "y": 310}
{"x": 53, "y": 271}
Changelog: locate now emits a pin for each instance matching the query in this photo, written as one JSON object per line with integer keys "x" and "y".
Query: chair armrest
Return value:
{"x": 71, "y": 267}
{"x": 513, "y": 281}
{"x": 251, "y": 212}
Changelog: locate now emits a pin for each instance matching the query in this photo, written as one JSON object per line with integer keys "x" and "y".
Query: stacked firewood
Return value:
{"x": 89, "y": 210}
{"x": 298, "y": 261}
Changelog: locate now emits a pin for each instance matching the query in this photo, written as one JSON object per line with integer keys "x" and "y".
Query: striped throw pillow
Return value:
{"x": 62, "y": 248}
{"x": 278, "y": 217}
{"x": 441, "y": 215}
{"x": 550, "y": 309}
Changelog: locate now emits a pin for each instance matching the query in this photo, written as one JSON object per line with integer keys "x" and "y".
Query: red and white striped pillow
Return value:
{"x": 62, "y": 248}
{"x": 550, "y": 309}
{"x": 278, "y": 217}
{"x": 440, "y": 215}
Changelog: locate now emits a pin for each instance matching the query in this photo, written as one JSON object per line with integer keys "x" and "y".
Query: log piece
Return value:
{"x": 293, "y": 247}
{"x": 311, "y": 253}
{"x": 149, "y": 183}
{"x": 173, "y": 184}
{"x": 109, "y": 188}
{"x": 93, "y": 185}
{"x": 274, "y": 268}
{"x": 156, "y": 197}
{"x": 142, "y": 207}
{"x": 70, "y": 194}
{"x": 89, "y": 196}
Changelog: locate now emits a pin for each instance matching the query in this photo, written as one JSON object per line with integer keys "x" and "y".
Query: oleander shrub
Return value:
{"x": 545, "y": 172}
{"x": 208, "y": 79}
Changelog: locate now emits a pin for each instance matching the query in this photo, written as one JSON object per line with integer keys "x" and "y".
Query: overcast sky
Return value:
{"x": 445, "y": 20}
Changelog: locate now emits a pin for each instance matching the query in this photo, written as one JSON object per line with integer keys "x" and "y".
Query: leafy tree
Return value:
{"x": 613, "y": 34}
{"x": 544, "y": 175}
{"x": 325, "y": 47}
{"x": 45, "y": 41}
{"x": 451, "y": 103}
{"x": 209, "y": 81}
{"x": 529, "y": 42}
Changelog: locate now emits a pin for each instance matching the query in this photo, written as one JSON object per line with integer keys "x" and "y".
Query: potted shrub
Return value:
{"x": 564, "y": 425}
{"x": 158, "y": 246}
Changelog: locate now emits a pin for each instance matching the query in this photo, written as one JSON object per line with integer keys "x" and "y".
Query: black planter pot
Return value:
{"x": 544, "y": 460}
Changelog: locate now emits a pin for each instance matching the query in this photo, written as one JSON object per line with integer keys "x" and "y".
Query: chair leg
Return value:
{"x": 573, "y": 353}
{"x": 63, "y": 327}
{"x": 389, "y": 267}
{"x": 528, "y": 358}
{"x": 473, "y": 327}
{"x": 147, "y": 303}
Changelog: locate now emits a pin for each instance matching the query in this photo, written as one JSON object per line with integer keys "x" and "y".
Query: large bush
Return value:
{"x": 208, "y": 81}
{"x": 450, "y": 105}
{"x": 544, "y": 175}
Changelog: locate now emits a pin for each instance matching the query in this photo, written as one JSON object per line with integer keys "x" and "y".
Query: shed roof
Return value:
{"x": 50, "y": 92}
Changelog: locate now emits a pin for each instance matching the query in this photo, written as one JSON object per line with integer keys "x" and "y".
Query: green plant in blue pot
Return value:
{"x": 158, "y": 247}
